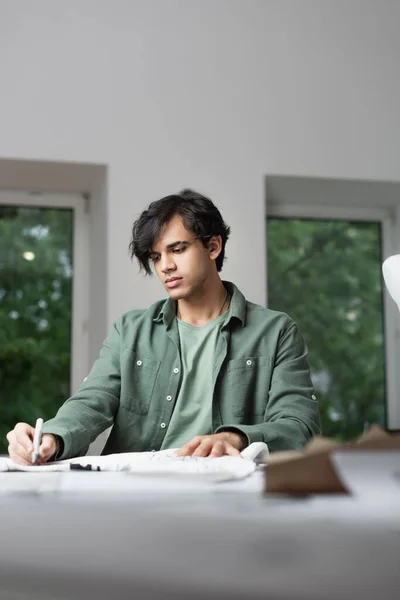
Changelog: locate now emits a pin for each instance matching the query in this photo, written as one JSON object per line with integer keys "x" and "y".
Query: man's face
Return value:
{"x": 181, "y": 261}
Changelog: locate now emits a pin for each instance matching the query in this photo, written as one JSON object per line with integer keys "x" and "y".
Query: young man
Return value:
{"x": 204, "y": 371}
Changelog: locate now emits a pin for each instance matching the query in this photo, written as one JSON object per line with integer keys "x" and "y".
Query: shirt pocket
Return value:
{"x": 138, "y": 378}
{"x": 248, "y": 382}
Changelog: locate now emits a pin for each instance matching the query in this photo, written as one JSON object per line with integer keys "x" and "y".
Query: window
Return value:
{"x": 326, "y": 274}
{"x": 335, "y": 234}
{"x": 42, "y": 305}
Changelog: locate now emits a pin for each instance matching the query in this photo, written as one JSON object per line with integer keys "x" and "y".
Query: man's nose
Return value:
{"x": 167, "y": 264}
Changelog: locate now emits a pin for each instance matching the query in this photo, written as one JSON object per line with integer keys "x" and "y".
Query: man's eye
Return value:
{"x": 154, "y": 259}
{"x": 179, "y": 250}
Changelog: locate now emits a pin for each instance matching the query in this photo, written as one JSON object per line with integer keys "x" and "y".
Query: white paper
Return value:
{"x": 163, "y": 463}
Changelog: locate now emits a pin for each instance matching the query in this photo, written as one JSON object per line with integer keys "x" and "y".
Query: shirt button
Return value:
{"x": 139, "y": 362}
{"x": 248, "y": 363}
{"x": 163, "y": 425}
{"x": 176, "y": 370}
{"x": 169, "y": 398}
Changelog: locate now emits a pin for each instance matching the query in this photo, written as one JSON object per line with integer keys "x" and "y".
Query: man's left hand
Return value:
{"x": 218, "y": 444}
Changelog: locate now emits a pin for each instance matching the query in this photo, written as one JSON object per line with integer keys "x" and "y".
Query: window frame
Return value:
{"x": 388, "y": 218}
{"x": 80, "y": 248}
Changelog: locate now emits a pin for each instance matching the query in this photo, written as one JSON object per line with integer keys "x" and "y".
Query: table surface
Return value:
{"x": 115, "y": 535}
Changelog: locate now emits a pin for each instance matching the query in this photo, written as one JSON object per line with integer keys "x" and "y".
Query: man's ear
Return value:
{"x": 215, "y": 246}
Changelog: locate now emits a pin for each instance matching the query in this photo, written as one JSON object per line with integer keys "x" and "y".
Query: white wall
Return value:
{"x": 212, "y": 94}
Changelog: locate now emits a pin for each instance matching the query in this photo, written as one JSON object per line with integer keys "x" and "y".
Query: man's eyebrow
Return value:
{"x": 170, "y": 246}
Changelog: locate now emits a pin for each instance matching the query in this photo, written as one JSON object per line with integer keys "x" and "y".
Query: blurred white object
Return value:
{"x": 255, "y": 452}
{"x": 372, "y": 474}
{"x": 391, "y": 275}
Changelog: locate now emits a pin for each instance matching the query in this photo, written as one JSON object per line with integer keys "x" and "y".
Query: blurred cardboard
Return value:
{"x": 311, "y": 470}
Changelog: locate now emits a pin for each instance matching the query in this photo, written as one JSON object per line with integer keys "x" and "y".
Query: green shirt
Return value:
{"x": 193, "y": 409}
{"x": 261, "y": 383}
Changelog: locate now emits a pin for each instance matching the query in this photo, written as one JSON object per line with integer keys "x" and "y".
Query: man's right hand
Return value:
{"x": 20, "y": 445}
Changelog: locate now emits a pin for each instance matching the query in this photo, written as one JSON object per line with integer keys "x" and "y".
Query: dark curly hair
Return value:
{"x": 199, "y": 214}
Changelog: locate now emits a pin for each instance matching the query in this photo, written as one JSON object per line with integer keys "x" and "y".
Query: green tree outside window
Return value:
{"x": 327, "y": 276}
{"x": 35, "y": 313}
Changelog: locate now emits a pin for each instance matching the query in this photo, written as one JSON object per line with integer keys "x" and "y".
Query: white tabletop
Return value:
{"x": 113, "y": 535}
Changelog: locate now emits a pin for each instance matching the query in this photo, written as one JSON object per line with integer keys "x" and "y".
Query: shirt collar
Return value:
{"x": 237, "y": 307}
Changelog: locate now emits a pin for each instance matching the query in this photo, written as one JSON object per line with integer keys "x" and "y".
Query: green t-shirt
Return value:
{"x": 192, "y": 411}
